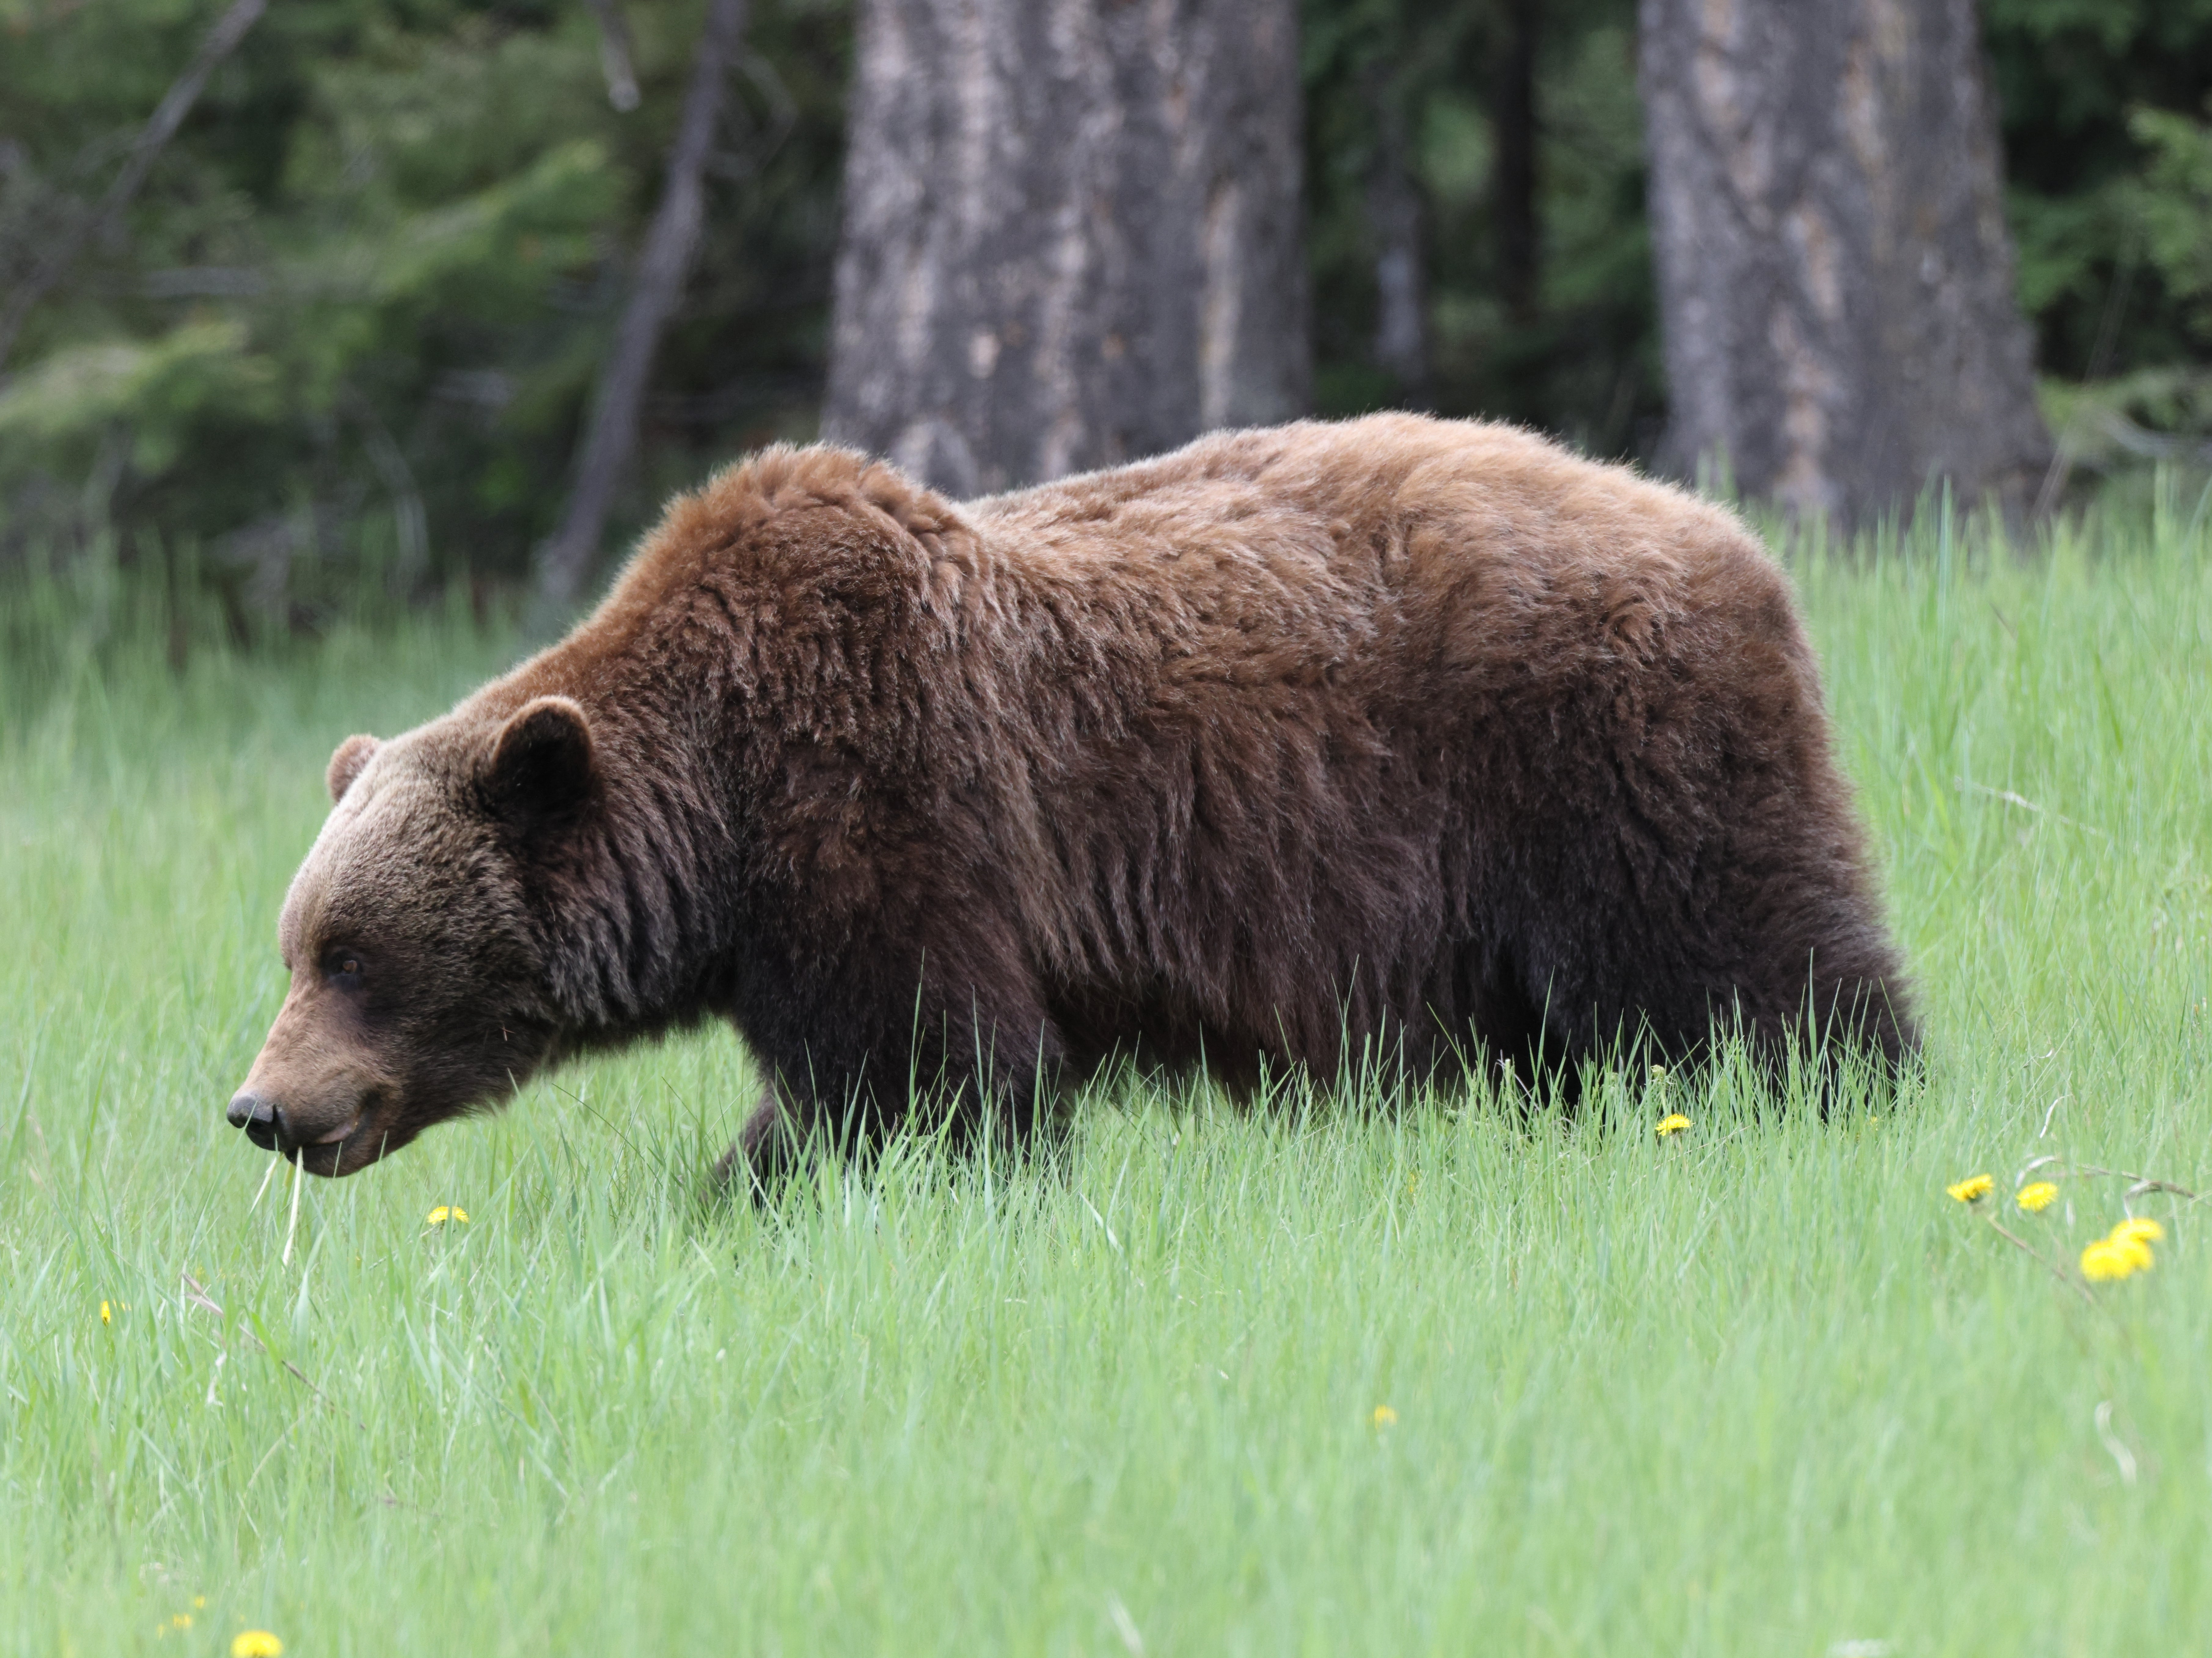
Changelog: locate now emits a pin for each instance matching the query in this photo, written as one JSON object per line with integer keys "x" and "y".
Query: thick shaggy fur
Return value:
{"x": 1398, "y": 738}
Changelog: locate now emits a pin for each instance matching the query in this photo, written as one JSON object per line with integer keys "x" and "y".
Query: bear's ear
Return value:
{"x": 350, "y": 760}
{"x": 541, "y": 765}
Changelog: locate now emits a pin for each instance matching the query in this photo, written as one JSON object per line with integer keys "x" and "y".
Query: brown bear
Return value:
{"x": 1397, "y": 741}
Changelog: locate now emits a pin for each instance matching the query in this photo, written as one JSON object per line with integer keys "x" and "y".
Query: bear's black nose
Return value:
{"x": 256, "y": 1115}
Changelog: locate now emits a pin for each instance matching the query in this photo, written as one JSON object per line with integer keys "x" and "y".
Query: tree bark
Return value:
{"x": 673, "y": 237}
{"x": 169, "y": 115}
{"x": 1071, "y": 233}
{"x": 1513, "y": 189}
{"x": 1393, "y": 220}
{"x": 1835, "y": 277}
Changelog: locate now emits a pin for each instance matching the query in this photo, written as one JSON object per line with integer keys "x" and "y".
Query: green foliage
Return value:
{"x": 344, "y": 338}
{"x": 1758, "y": 1387}
{"x": 2092, "y": 93}
{"x": 1585, "y": 362}
{"x": 354, "y": 316}
{"x": 2173, "y": 205}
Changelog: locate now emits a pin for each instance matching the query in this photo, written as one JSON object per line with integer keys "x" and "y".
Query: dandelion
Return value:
{"x": 106, "y": 1315}
{"x": 1672, "y": 1123}
{"x": 2106, "y": 1261}
{"x": 2125, "y": 1249}
{"x": 2136, "y": 1251}
{"x": 445, "y": 1212}
{"x": 256, "y": 1643}
{"x": 2037, "y": 1196}
{"x": 181, "y": 1620}
{"x": 1384, "y": 1416}
{"x": 1974, "y": 1188}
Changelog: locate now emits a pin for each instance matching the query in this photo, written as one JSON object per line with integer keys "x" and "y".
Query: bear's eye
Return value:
{"x": 342, "y": 963}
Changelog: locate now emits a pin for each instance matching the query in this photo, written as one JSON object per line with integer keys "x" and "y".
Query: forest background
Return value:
{"x": 343, "y": 340}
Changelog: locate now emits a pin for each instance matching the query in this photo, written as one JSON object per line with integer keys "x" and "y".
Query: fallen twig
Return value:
{"x": 1967, "y": 785}
{"x": 2142, "y": 1182}
{"x": 2047, "y": 1264}
{"x": 196, "y": 1295}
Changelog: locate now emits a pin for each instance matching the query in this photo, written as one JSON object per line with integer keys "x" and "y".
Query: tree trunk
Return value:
{"x": 1071, "y": 233}
{"x": 1513, "y": 190}
{"x": 1393, "y": 220}
{"x": 1835, "y": 278}
{"x": 615, "y": 55}
{"x": 670, "y": 242}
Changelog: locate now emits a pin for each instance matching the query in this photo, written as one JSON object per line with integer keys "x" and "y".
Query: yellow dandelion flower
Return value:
{"x": 256, "y": 1643}
{"x": 1672, "y": 1123}
{"x": 445, "y": 1212}
{"x": 1974, "y": 1188}
{"x": 1384, "y": 1416}
{"x": 106, "y": 1315}
{"x": 2106, "y": 1261}
{"x": 2037, "y": 1196}
{"x": 2139, "y": 1229}
{"x": 181, "y": 1620}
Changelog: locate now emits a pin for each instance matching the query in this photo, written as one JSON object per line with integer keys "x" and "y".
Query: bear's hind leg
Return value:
{"x": 765, "y": 1155}
{"x": 998, "y": 1081}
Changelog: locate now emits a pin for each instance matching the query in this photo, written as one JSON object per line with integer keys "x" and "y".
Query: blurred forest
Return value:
{"x": 346, "y": 333}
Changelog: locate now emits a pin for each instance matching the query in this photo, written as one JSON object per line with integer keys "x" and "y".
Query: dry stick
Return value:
{"x": 169, "y": 115}
{"x": 2048, "y": 1264}
{"x": 196, "y": 1295}
{"x": 292, "y": 1227}
{"x": 2144, "y": 1182}
{"x": 1965, "y": 784}
{"x": 564, "y": 561}
{"x": 274, "y": 1163}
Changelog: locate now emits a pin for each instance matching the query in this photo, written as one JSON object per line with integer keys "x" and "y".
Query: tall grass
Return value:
{"x": 1757, "y": 1388}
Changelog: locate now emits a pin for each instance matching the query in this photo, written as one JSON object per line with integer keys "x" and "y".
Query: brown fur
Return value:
{"x": 1397, "y": 739}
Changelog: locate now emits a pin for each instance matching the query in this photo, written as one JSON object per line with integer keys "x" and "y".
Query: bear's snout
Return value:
{"x": 256, "y": 1115}
{"x": 312, "y": 1095}
{"x": 321, "y": 1136}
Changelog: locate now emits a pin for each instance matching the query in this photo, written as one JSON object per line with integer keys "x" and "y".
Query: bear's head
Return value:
{"x": 419, "y": 987}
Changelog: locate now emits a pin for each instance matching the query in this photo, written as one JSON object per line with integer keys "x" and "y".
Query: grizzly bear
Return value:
{"x": 1399, "y": 742}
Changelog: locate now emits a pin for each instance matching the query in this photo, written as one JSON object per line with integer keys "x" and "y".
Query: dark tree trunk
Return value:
{"x": 1513, "y": 187}
{"x": 1835, "y": 278}
{"x": 673, "y": 237}
{"x": 1393, "y": 219}
{"x": 1071, "y": 233}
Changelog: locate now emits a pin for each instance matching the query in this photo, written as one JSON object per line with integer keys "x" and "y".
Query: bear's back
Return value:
{"x": 1321, "y": 547}
{"x": 1361, "y": 481}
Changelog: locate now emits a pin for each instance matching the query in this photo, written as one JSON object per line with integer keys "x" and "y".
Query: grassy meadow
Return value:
{"x": 1453, "y": 1378}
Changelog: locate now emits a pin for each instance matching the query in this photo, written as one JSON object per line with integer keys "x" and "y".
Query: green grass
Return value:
{"x": 1759, "y": 1388}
